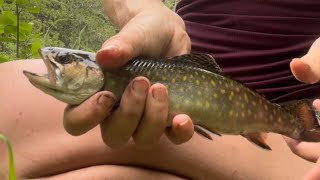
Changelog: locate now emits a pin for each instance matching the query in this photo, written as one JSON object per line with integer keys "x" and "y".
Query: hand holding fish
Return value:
{"x": 196, "y": 87}
{"x": 143, "y": 109}
{"x": 307, "y": 70}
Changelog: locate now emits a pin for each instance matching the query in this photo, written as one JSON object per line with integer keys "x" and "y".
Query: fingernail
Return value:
{"x": 140, "y": 86}
{"x": 182, "y": 120}
{"x": 183, "y": 123}
{"x": 106, "y": 101}
{"x": 159, "y": 94}
{"x": 110, "y": 47}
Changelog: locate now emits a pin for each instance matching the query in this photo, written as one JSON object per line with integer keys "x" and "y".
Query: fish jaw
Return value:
{"x": 43, "y": 83}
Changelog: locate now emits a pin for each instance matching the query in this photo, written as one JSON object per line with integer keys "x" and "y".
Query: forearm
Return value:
{"x": 121, "y": 11}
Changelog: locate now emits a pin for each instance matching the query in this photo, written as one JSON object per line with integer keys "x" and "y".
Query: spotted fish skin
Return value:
{"x": 196, "y": 87}
{"x": 212, "y": 100}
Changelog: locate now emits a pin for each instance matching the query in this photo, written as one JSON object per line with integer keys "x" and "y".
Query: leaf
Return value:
{"x": 26, "y": 28}
{"x": 1, "y": 29}
{"x": 12, "y": 174}
{"x": 21, "y": 2}
{"x": 3, "y": 59}
{"x": 10, "y": 30}
{"x": 22, "y": 37}
{"x": 35, "y": 48}
{"x": 33, "y": 9}
{"x": 8, "y": 18}
{"x": 1, "y": 2}
{"x": 7, "y": 39}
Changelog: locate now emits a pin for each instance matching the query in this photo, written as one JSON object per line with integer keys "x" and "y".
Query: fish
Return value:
{"x": 216, "y": 103}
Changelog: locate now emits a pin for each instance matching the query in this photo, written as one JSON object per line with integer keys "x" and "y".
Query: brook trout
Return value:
{"x": 195, "y": 85}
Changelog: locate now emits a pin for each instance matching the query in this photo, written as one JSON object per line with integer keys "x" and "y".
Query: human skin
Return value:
{"x": 307, "y": 70}
{"x": 146, "y": 30}
{"x": 34, "y": 164}
{"x": 33, "y": 121}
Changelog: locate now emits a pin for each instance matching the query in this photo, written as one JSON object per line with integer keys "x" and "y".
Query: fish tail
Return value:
{"x": 310, "y": 119}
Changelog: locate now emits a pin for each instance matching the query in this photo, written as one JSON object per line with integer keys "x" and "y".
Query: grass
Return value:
{"x": 12, "y": 174}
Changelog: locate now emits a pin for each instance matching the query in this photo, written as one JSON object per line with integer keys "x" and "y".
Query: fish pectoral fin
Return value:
{"x": 258, "y": 139}
{"x": 205, "y": 132}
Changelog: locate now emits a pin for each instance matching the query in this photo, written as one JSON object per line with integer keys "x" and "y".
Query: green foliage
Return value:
{"x": 27, "y": 25}
{"x": 12, "y": 174}
{"x": 170, "y": 3}
{"x": 15, "y": 30}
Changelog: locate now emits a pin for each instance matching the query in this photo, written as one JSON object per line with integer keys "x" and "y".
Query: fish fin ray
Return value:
{"x": 309, "y": 116}
{"x": 204, "y": 61}
{"x": 258, "y": 139}
{"x": 205, "y": 132}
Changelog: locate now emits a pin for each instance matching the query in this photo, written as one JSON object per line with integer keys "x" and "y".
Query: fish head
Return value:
{"x": 73, "y": 75}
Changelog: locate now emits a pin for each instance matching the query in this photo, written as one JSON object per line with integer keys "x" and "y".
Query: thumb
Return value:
{"x": 307, "y": 68}
{"x": 141, "y": 36}
{"x": 119, "y": 49}
{"x": 303, "y": 71}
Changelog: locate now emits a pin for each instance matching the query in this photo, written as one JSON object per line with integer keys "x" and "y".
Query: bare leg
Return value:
{"x": 33, "y": 122}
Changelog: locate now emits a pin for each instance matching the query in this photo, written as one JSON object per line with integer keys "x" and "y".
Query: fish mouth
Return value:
{"x": 46, "y": 82}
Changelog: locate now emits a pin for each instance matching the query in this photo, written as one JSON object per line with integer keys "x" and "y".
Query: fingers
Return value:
{"x": 119, "y": 127}
{"x": 118, "y": 50}
{"x": 307, "y": 68}
{"x": 143, "y": 115}
{"x": 80, "y": 119}
{"x": 146, "y": 34}
{"x": 133, "y": 40}
{"x": 316, "y": 104}
{"x": 307, "y": 150}
{"x": 154, "y": 121}
{"x": 303, "y": 71}
{"x": 182, "y": 129}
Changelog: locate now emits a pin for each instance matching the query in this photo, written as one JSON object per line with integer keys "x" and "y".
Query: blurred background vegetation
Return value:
{"x": 27, "y": 25}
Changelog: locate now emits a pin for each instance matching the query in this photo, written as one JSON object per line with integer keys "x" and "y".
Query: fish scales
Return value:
{"x": 195, "y": 85}
{"x": 222, "y": 101}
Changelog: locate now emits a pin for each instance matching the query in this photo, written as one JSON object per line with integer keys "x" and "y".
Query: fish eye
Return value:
{"x": 64, "y": 58}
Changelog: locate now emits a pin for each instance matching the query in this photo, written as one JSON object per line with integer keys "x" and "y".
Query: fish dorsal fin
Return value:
{"x": 204, "y": 61}
{"x": 258, "y": 139}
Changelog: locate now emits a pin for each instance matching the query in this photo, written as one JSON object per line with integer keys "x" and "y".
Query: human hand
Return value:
{"x": 307, "y": 69}
{"x": 143, "y": 111}
{"x": 307, "y": 150}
